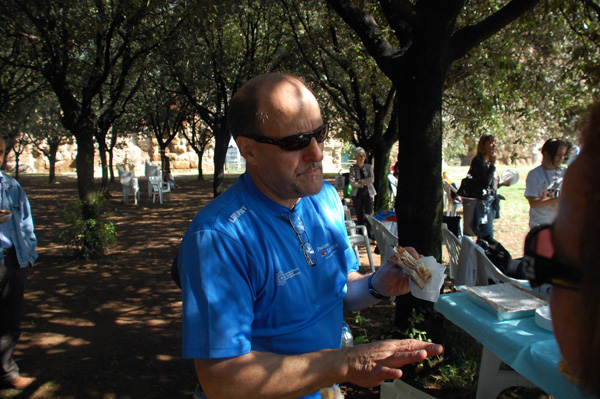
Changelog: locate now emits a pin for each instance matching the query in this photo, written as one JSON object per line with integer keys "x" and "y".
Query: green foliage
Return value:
{"x": 87, "y": 234}
{"x": 415, "y": 330}
{"x": 520, "y": 86}
{"x": 457, "y": 368}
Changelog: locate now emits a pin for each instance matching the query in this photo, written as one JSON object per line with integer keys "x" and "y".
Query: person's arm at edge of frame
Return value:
{"x": 536, "y": 202}
{"x": 266, "y": 375}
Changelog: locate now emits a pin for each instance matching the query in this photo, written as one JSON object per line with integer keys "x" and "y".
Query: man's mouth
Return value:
{"x": 315, "y": 167}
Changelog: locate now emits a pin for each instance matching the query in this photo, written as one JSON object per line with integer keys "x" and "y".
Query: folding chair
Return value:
{"x": 159, "y": 187}
{"x": 130, "y": 185}
{"x": 386, "y": 240}
{"x": 453, "y": 244}
{"x": 357, "y": 234}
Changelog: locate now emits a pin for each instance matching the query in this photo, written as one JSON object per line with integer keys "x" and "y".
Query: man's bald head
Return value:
{"x": 260, "y": 99}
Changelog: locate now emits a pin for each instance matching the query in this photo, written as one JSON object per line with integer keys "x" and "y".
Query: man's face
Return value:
{"x": 2, "y": 150}
{"x": 285, "y": 176}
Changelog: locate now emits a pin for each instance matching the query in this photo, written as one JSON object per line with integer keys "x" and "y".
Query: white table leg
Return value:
{"x": 492, "y": 380}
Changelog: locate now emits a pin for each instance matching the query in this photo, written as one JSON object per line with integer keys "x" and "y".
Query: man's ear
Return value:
{"x": 248, "y": 149}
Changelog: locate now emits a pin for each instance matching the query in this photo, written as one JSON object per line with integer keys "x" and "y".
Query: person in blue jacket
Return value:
{"x": 267, "y": 269}
{"x": 17, "y": 255}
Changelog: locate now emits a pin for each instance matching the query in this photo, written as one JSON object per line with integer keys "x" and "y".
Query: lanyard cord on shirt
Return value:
{"x": 554, "y": 186}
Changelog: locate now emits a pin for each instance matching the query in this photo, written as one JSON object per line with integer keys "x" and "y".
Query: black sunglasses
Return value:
{"x": 539, "y": 264}
{"x": 294, "y": 142}
{"x": 298, "y": 226}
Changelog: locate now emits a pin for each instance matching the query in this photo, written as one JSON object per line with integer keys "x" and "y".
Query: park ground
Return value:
{"x": 112, "y": 330}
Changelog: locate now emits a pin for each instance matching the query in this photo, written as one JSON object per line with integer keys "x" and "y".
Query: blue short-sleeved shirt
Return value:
{"x": 246, "y": 283}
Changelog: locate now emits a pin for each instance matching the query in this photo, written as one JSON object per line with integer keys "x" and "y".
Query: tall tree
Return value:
{"x": 45, "y": 130}
{"x": 226, "y": 44}
{"x": 76, "y": 47}
{"x": 16, "y": 83}
{"x": 198, "y": 137}
{"x": 361, "y": 95}
{"x": 14, "y": 132}
{"x": 525, "y": 84}
{"x": 113, "y": 100}
{"x": 415, "y": 43}
{"x": 164, "y": 113}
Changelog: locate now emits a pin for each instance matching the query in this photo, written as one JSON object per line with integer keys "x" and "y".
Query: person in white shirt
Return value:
{"x": 543, "y": 185}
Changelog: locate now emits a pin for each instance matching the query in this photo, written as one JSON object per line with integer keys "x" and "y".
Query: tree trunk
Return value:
{"x": 200, "y": 173}
{"x": 17, "y": 165}
{"x": 381, "y": 146}
{"x": 102, "y": 150}
{"x": 222, "y": 137}
{"x": 52, "y": 150}
{"x": 111, "y": 165}
{"x": 85, "y": 163}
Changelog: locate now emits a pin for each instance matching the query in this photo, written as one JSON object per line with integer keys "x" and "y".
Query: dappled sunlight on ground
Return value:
{"x": 111, "y": 330}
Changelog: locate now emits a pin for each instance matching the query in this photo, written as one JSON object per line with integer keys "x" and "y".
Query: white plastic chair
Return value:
{"x": 386, "y": 241}
{"x": 486, "y": 271}
{"x": 159, "y": 187}
{"x": 453, "y": 244}
{"x": 451, "y": 206}
{"x": 466, "y": 272}
{"x": 130, "y": 185}
{"x": 347, "y": 213}
{"x": 357, "y": 234}
{"x": 150, "y": 170}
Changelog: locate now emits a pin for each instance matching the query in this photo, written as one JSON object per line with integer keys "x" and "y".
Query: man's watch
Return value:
{"x": 374, "y": 293}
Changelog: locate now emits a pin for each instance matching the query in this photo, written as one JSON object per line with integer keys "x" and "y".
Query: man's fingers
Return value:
{"x": 408, "y": 345}
{"x": 414, "y": 351}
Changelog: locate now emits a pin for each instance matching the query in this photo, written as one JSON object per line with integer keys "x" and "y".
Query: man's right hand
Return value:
{"x": 370, "y": 365}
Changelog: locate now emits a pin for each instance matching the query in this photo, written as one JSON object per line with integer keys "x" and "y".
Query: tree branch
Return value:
{"x": 470, "y": 36}
{"x": 370, "y": 33}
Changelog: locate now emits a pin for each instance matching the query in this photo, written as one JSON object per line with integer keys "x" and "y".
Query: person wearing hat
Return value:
{"x": 363, "y": 191}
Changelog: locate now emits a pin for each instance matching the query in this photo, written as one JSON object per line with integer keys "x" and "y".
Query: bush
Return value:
{"x": 87, "y": 233}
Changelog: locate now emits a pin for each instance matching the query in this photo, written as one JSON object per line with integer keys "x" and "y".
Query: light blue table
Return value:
{"x": 530, "y": 350}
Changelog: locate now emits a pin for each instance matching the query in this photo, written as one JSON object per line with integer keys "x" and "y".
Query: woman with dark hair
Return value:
{"x": 483, "y": 169}
{"x": 543, "y": 185}
{"x": 565, "y": 255}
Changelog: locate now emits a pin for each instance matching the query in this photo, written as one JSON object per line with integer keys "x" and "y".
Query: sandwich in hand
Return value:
{"x": 415, "y": 269}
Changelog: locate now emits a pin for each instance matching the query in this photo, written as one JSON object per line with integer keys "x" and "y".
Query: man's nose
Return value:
{"x": 314, "y": 151}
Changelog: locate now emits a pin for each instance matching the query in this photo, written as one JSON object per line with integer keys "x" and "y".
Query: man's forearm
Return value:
{"x": 267, "y": 375}
{"x": 357, "y": 293}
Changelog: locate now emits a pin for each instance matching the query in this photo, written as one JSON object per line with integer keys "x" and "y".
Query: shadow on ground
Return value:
{"x": 112, "y": 330}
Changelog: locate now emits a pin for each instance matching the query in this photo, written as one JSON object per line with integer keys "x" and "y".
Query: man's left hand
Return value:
{"x": 391, "y": 280}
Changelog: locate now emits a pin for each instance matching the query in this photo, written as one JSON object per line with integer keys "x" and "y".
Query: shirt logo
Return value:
{"x": 327, "y": 250}
{"x": 282, "y": 277}
{"x": 235, "y": 215}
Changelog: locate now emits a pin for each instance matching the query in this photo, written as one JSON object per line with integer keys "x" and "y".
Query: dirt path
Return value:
{"x": 108, "y": 331}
